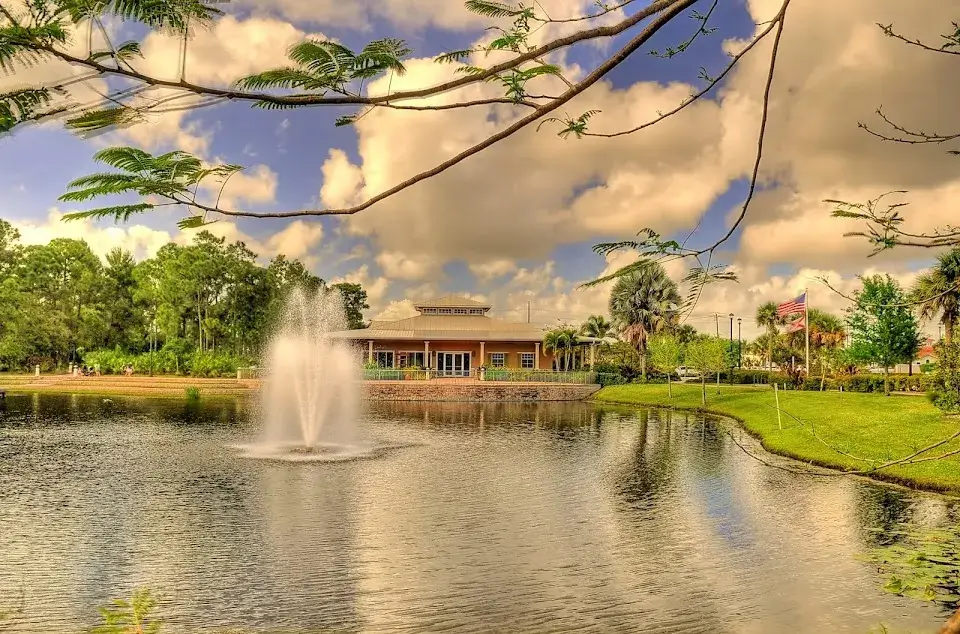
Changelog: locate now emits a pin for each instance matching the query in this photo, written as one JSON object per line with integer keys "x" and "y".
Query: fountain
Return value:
{"x": 310, "y": 402}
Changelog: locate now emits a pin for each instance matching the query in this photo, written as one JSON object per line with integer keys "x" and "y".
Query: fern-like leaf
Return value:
{"x": 19, "y": 106}
{"x": 453, "y": 57}
{"x": 347, "y": 119}
{"x": 194, "y": 222}
{"x": 489, "y": 9}
{"x": 121, "y": 213}
{"x": 94, "y": 120}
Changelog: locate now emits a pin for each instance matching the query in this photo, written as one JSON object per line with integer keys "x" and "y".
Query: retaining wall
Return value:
{"x": 477, "y": 392}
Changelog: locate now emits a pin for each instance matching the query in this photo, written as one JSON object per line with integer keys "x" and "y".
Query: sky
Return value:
{"x": 514, "y": 225}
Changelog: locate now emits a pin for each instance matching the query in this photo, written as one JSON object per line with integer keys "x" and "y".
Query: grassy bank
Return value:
{"x": 161, "y": 386}
{"x": 871, "y": 428}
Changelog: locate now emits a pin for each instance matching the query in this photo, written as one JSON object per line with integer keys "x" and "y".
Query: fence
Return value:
{"x": 494, "y": 375}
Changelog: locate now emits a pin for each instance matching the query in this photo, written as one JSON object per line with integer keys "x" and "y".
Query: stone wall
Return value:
{"x": 475, "y": 392}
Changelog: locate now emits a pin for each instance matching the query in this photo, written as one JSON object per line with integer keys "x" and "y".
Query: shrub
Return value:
{"x": 944, "y": 382}
{"x": 193, "y": 393}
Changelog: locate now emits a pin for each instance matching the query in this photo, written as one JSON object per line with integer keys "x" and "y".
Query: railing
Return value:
{"x": 395, "y": 374}
{"x": 540, "y": 376}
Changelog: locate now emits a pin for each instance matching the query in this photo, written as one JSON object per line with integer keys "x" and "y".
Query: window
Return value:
{"x": 383, "y": 358}
{"x": 526, "y": 360}
{"x": 411, "y": 360}
{"x": 429, "y": 311}
{"x": 498, "y": 359}
{"x": 476, "y": 311}
{"x": 444, "y": 311}
{"x": 459, "y": 311}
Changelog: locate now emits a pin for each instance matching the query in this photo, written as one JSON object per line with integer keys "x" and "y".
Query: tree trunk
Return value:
{"x": 886, "y": 380}
{"x": 823, "y": 373}
{"x": 643, "y": 365}
{"x": 669, "y": 387}
{"x": 703, "y": 388}
{"x": 718, "y": 382}
{"x": 948, "y": 330}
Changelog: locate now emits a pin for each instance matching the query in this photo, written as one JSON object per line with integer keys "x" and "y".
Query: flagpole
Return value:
{"x": 806, "y": 322}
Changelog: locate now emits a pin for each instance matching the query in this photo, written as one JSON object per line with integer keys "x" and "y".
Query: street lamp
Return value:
{"x": 739, "y": 344}
{"x": 731, "y": 348}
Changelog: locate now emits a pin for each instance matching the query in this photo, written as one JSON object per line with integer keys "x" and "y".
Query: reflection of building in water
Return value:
{"x": 542, "y": 414}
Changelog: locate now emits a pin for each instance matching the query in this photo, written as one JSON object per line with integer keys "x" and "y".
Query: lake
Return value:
{"x": 500, "y": 517}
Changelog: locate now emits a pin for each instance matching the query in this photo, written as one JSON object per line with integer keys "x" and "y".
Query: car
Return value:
{"x": 687, "y": 373}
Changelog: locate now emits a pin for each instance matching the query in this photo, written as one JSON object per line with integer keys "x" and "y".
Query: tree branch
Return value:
{"x": 952, "y": 40}
{"x": 676, "y": 6}
{"x": 709, "y": 87}
{"x": 302, "y": 100}
{"x": 912, "y": 137}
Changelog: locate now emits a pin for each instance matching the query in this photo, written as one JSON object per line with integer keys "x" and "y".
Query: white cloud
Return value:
{"x": 403, "y": 267}
{"x": 139, "y": 239}
{"x": 376, "y": 286}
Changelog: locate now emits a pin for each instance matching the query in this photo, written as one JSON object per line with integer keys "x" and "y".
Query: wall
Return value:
{"x": 512, "y": 349}
{"x": 475, "y": 391}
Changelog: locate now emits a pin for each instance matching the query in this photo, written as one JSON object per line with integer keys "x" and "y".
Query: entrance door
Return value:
{"x": 453, "y": 363}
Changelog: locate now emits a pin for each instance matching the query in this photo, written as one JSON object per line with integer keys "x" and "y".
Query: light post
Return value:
{"x": 739, "y": 344}
{"x": 731, "y": 348}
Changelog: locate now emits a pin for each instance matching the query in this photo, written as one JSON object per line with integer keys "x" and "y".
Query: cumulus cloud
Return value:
{"x": 139, "y": 239}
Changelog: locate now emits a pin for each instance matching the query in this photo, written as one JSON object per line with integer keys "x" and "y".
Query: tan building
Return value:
{"x": 454, "y": 336}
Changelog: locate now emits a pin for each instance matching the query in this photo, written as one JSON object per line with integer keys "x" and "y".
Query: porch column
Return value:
{"x": 593, "y": 355}
{"x": 426, "y": 355}
{"x": 482, "y": 356}
{"x": 536, "y": 356}
{"x": 370, "y": 351}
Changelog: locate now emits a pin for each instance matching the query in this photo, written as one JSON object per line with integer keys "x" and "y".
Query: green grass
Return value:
{"x": 869, "y": 426}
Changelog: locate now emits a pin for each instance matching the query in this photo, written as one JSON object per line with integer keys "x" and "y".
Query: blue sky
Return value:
{"x": 559, "y": 221}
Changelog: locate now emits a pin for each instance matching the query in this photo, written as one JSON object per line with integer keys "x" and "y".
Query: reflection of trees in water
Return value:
{"x": 652, "y": 459}
{"x": 880, "y": 511}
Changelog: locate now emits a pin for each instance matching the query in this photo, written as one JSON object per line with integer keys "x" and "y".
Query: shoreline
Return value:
{"x": 944, "y": 480}
{"x": 145, "y": 386}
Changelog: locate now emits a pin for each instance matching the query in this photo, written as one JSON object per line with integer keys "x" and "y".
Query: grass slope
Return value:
{"x": 869, "y": 426}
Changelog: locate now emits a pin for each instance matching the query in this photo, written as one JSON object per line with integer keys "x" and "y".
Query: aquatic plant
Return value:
{"x": 921, "y": 564}
{"x": 130, "y": 616}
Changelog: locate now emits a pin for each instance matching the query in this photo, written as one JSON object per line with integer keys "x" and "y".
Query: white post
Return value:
{"x": 36, "y": 371}
{"x": 370, "y": 351}
{"x": 806, "y": 323}
{"x": 593, "y": 355}
{"x": 776, "y": 395}
{"x": 426, "y": 355}
{"x": 483, "y": 357}
{"x": 536, "y": 356}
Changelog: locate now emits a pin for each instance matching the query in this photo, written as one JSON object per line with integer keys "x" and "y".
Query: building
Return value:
{"x": 454, "y": 336}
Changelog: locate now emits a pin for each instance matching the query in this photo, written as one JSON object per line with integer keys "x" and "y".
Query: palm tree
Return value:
{"x": 767, "y": 318}
{"x": 642, "y": 303}
{"x": 938, "y": 294}
{"x": 827, "y": 334}
{"x": 596, "y": 326}
{"x": 561, "y": 342}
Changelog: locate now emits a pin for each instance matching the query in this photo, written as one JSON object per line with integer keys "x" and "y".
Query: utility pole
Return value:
{"x": 716, "y": 320}
{"x": 528, "y": 312}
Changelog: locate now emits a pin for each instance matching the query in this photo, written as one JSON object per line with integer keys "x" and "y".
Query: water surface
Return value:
{"x": 540, "y": 518}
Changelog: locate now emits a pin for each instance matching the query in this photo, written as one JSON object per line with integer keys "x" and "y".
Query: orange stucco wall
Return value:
{"x": 511, "y": 349}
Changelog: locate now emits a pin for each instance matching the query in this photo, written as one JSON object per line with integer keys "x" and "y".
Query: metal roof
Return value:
{"x": 450, "y": 328}
{"x": 451, "y": 301}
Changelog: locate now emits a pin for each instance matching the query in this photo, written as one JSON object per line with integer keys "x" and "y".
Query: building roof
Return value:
{"x": 449, "y": 328}
{"x": 451, "y": 301}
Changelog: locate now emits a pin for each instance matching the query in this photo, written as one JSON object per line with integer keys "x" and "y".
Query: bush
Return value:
{"x": 944, "y": 382}
{"x": 168, "y": 360}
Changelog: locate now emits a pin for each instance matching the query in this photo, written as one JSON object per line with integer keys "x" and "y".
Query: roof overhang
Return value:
{"x": 385, "y": 334}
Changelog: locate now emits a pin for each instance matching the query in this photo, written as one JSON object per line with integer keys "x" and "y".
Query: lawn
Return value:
{"x": 871, "y": 428}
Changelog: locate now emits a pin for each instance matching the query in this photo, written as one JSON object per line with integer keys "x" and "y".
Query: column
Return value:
{"x": 426, "y": 355}
{"x": 483, "y": 357}
{"x": 536, "y": 356}
{"x": 370, "y": 351}
{"x": 593, "y": 355}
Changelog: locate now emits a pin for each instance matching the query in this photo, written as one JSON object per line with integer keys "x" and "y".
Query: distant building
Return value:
{"x": 454, "y": 336}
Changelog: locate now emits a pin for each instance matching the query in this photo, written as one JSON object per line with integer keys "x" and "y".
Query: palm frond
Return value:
{"x": 292, "y": 78}
{"x": 166, "y": 15}
{"x": 623, "y": 271}
{"x": 194, "y": 222}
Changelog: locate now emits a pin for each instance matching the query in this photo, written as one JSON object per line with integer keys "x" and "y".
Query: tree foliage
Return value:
{"x": 59, "y": 303}
{"x": 706, "y": 355}
{"x": 883, "y": 329}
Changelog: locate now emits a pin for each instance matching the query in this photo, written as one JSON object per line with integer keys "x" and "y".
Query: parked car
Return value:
{"x": 687, "y": 373}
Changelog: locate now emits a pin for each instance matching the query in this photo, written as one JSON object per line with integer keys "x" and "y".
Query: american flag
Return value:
{"x": 795, "y": 305}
